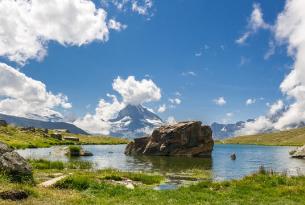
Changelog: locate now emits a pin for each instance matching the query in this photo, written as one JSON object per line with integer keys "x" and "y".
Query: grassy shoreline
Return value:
{"x": 85, "y": 186}
{"x": 19, "y": 139}
{"x": 293, "y": 137}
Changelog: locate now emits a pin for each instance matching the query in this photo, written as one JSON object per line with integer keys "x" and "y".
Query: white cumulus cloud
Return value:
{"x": 26, "y": 26}
{"x": 162, "y": 108}
{"x": 250, "y": 101}
{"x": 255, "y": 23}
{"x": 137, "y": 92}
{"x": 220, "y": 101}
{"x": 23, "y": 96}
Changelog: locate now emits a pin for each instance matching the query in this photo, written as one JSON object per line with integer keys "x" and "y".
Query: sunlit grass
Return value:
{"x": 294, "y": 137}
{"x": 19, "y": 139}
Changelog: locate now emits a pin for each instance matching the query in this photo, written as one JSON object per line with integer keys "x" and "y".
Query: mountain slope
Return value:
{"x": 134, "y": 121}
{"x": 25, "y": 122}
{"x": 293, "y": 137}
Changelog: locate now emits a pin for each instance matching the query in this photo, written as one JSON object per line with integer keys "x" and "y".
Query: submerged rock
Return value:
{"x": 298, "y": 153}
{"x": 188, "y": 138}
{"x": 233, "y": 156}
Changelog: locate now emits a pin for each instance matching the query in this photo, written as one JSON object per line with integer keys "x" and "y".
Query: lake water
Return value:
{"x": 249, "y": 159}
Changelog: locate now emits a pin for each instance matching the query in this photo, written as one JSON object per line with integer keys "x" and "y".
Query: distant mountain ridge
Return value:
{"x": 222, "y": 131}
{"x": 134, "y": 121}
{"x": 25, "y": 122}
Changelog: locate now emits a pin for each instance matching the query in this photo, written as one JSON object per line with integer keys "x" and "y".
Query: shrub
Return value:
{"x": 74, "y": 150}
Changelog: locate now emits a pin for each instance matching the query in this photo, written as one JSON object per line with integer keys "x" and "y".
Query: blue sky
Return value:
{"x": 185, "y": 46}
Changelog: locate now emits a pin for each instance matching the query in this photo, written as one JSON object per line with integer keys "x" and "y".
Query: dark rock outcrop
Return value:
{"x": 182, "y": 139}
{"x": 13, "y": 165}
{"x": 14, "y": 195}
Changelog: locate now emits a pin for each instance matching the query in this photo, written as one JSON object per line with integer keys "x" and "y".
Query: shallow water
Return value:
{"x": 249, "y": 159}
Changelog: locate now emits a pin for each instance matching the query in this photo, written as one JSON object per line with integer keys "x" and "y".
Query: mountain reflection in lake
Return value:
{"x": 249, "y": 159}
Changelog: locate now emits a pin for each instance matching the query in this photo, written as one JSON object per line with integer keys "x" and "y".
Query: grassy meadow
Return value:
{"x": 19, "y": 139}
{"x": 294, "y": 137}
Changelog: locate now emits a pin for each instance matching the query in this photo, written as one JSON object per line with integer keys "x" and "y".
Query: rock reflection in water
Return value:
{"x": 174, "y": 164}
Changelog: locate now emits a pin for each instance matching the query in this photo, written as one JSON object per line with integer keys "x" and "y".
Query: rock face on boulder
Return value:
{"x": 4, "y": 148}
{"x": 182, "y": 139}
{"x": 298, "y": 153}
{"x": 12, "y": 164}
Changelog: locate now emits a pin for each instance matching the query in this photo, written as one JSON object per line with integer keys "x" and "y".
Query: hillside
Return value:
{"x": 25, "y": 122}
{"x": 294, "y": 137}
{"x": 18, "y": 138}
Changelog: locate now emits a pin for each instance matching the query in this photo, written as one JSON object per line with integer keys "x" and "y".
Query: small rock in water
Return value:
{"x": 298, "y": 153}
{"x": 233, "y": 156}
{"x": 14, "y": 195}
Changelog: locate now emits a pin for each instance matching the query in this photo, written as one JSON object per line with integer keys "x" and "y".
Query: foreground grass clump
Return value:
{"x": 42, "y": 164}
{"x": 293, "y": 137}
{"x": 20, "y": 139}
{"x": 113, "y": 174}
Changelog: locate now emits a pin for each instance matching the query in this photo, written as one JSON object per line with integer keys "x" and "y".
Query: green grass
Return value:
{"x": 42, "y": 164}
{"x": 294, "y": 137}
{"x": 19, "y": 139}
{"x": 74, "y": 149}
{"x": 88, "y": 188}
{"x": 144, "y": 178}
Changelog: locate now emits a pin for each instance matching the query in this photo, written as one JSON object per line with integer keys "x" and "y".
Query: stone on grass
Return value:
{"x": 15, "y": 166}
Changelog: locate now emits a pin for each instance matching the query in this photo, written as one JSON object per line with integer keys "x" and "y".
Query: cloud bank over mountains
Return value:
{"x": 289, "y": 30}
{"x": 132, "y": 92}
{"x": 22, "y": 96}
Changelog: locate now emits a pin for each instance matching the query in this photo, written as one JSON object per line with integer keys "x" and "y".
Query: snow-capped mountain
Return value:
{"x": 222, "y": 131}
{"x": 134, "y": 121}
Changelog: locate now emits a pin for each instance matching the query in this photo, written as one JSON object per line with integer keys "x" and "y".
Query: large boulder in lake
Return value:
{"x": 14, "y": 165}
{"x": 188, "y": 138}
